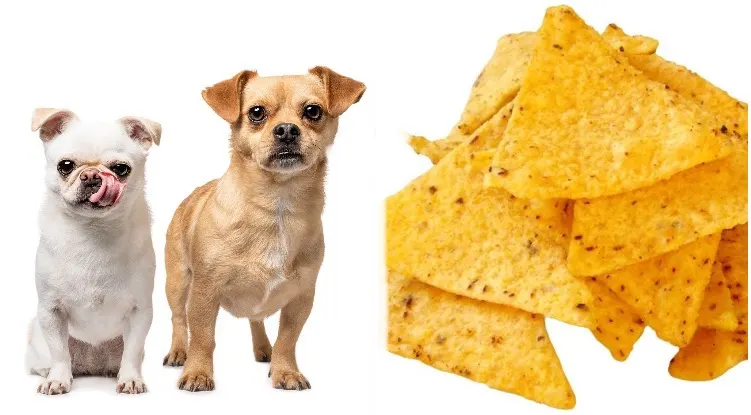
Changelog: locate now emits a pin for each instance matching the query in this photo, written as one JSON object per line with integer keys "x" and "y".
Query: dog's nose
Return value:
{"x": 90, "y": 178}
{"x": 287, "y": 133}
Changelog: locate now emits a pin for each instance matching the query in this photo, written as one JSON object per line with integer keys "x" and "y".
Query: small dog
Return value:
{"x": 252, "y": 241}
{"x": 95, "y": 262}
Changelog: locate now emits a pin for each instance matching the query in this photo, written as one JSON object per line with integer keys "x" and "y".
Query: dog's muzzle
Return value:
{"x": 101, "y": 188}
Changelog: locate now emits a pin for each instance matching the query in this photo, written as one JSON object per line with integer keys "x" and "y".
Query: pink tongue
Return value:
{"x": 110, "y": 191}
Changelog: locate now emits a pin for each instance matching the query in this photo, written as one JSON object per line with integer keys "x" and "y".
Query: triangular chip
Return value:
{"x": 717, "y": 311}
{"x": 505, "y": 348}
{"x": 632, "y": 227}
{"x": 634, "y": 45}
{"x": 618, "y": 325}
{"x": 624, "y": 229}
{"x": 588, "y": 124}
{"x": 437, "y": 149}
{"x": 667, "y": 291}
{"x": 446, "y": 230}
{"x": 498, "y": 82}
{"x": 612, "y": 232}
{"x": 713, "y": 352}
{"x": 731, "y": 112}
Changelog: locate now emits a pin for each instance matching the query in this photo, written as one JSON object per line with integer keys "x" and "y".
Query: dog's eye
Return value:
{"x": 312, "y": 112}
{"x": 257, "y": 114}
{"x": 65, "y": 167}
{"x": 120, "y": 169}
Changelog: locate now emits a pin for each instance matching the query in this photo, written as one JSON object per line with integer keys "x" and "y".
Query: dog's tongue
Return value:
{"x": 110, "y": 191}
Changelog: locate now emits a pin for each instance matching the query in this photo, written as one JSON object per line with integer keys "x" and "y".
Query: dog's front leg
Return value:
{"x": 284, "y": 372}
{"x": 203, "y": 309}
{"x": 261, "y": 344}
{"x": 54, "y": 325}
{"x": 137, "y": 326}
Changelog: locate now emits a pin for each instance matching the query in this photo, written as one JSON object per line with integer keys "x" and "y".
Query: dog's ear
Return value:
{"x": 142, "y": 131}
{"x": 51, "y": 122}
{"x": 225, "y": 97}
{"x": 342, "y": 91}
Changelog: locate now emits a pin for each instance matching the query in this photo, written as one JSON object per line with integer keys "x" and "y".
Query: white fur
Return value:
{"x": 94, "y": 269}
{"x": 276, "y": 254}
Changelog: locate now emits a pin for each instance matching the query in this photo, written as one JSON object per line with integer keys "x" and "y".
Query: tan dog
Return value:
{"x": 252, "y": 241}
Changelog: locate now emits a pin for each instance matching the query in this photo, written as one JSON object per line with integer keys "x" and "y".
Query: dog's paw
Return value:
{"x": 53, "y": 387}
{"x": 262, "y": 353}
{"x": 175, "y": 357}
{"x": 131, "y": 386}
{"x": 196, "y": 382}
{"x": 289, "y": 380}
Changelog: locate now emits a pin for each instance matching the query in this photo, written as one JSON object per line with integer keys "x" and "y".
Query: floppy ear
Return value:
{"x": 141, "y": 130}
{"x": 224, "y": 98}
{"x": 342, "y": 91}
{"x": 50, "y": 122}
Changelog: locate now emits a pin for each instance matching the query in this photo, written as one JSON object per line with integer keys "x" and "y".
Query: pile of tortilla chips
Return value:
{"x": 590, "y": 181}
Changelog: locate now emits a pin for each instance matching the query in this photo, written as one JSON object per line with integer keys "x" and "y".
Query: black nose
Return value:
{"x": 287, "y": 133}
{"x": 90, "y": 178}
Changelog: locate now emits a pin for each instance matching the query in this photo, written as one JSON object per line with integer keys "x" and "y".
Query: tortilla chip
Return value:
{"x": 447, "y": 231}
{"x": 589, "y": 125}
{"x": 612, "y": 232}
{"x": 498, "y": 82}
{"x": 667, "y": 291}
{"x": 505, "y": 348}
{"x": 732, "y": 113}
{"x": 634, "y": 45}
{"x": 713, "y": 352}
{"x": 438, "y": 149}
{"x": 717, "y": 308}
{"x": 618, "y": 325}
{"x": 690, "y": 205}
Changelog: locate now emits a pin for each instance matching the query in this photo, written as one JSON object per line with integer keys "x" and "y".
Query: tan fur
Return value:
{"x": 252, "y": 241}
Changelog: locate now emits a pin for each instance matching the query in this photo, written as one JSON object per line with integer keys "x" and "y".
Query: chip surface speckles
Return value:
{"x": 446, "y": 230}
{"x": 587, "y": 124}
{"x": 612, "y": 232}
{"x": 713, "y": 352}
{"x": 717, "y": 311}
{"x": 732, "y": 113}
{"x": 505, "y": 348}
{"x": 618, "y": 325}
{"x": 667, "y": 291}
{"x": 498, "y": 82}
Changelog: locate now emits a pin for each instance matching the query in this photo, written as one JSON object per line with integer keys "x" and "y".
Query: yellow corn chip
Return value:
{"x": 634, "y": 45}
{"x": 505, "y": 348}
{"x": 612, "y": 232}
{"x": 717, "y": 308}
{"x": 631, "y": 227}
{"x": 438, "y": 149}
{"x": 498, "y": 82}
{"x": 667, "y": 291}
{"x": 731, "y": 112}
{"x": 445, "y": 230}
{"x": 618, "y": 325}
{"x": 713, "y": 352}
{"x": 588, "y": 124}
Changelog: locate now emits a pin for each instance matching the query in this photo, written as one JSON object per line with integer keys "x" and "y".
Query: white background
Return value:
{"x": 418, "y": 61}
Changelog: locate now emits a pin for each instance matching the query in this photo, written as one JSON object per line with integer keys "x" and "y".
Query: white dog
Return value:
{"x": 95, "y": 262}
